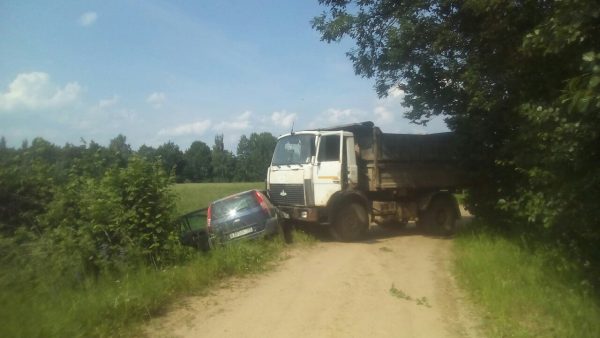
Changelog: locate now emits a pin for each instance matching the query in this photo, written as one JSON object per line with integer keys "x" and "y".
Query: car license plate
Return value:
{"x": 240, "y": 233}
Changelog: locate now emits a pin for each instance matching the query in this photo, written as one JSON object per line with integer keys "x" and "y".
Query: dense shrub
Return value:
{"x": 26, "y": 186}
{"x": 120, "y": 219}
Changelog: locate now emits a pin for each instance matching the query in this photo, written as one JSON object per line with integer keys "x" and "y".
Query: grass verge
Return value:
{"x": 523, "y": 292}
{"x": 116, "y": 306}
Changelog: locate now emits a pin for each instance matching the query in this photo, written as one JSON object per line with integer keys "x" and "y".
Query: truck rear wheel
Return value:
{"x": 440, "y": 216}
{"x": 350, "y": 223}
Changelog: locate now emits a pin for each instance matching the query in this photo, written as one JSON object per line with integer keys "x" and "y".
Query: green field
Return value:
{"x": 524, "y": 292}
{"x": 193, "y": 196}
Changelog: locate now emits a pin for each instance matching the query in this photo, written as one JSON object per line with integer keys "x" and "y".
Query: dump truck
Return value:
{"x": 353, "y": 176}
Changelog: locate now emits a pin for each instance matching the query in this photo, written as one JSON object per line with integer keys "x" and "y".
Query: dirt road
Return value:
{"x": 395, "y": 284}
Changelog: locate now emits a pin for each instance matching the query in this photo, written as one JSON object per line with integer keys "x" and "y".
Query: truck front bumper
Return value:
{"x": 307, "y": 214}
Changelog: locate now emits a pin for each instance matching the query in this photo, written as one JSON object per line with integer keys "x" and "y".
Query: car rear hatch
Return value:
{"x": 237, "y": 216}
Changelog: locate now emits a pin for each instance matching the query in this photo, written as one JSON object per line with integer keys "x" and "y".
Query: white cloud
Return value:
{"x": 383, "y": 115}
{"x": 283, "y": 119}
{"x": 341, "y": 116}
{"x": 35, "y": 91}
{"x": 108, "y": 103}
{"x": 387, "y": 108}
{"x": 334, "y": 116}
{"x": 239, "y": 123}
{"x": 194, "y": 128}
{"x": 88, "y": 18}
{"x": 396, "y": 93}
{"x": 157, "y": 99}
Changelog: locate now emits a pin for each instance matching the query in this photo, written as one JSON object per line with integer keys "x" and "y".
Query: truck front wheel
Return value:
{"x": 351, "y": 222}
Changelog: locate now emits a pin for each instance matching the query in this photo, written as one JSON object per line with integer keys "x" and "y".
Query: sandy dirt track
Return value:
{"x": 336, "y": 290}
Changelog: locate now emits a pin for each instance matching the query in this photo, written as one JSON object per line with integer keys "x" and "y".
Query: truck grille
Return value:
{"x": 287, "y": 194}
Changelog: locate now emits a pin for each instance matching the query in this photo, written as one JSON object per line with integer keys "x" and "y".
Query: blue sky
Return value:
{"x": 160, "y": 71}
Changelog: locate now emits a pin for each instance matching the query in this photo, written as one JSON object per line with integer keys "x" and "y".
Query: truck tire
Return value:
{"x": 440, "y": 216}
{"x": 350, "y": 223}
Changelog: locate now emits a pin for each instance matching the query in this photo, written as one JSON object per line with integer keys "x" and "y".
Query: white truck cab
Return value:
{"x": 310, "y": 167}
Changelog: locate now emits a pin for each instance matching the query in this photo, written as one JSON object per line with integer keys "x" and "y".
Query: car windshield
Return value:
{"x": 294, "y": 149}
{"x": 231, "y": 206}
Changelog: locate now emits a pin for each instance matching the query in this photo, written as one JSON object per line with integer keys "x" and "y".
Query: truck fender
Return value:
{"x": 426, "y": 200}
{"x": 347, "y": 196}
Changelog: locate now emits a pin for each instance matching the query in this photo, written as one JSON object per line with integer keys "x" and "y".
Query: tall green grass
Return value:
{"x": 524, "y": 292}
{"x": 34, "y": 305}
{"x": 109, "y": 306}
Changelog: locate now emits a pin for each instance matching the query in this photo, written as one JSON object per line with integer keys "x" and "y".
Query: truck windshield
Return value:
{"x": 294, "y": 149}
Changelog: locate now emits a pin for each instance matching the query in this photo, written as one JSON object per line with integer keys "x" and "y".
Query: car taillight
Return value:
{"x": 261, "y": 200}
{"x": 208, "y": 217}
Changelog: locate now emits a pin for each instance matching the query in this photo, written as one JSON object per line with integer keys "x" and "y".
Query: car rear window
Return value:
{"x": 231, "y": 206}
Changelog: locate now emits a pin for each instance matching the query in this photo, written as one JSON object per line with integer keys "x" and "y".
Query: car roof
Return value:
{"x": 234, "y": 195}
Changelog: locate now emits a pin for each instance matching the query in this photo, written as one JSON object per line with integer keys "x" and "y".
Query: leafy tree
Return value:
{"x": 43, "y": 150}
{"x": 242, "y": 163}
{"x": 197, "y": 162}
{"x": 262, "y": 145}
{"x": 147, "y": 152}
{"x": 120, "y": 149}
{"x": 172, "y": 159}
{"x": 254, "y": 156}
{"x": 95, "y": 161}
{"x": 26, "y": 187}
{"x": 222, "y": 161}
{"x": 517, "y": 80}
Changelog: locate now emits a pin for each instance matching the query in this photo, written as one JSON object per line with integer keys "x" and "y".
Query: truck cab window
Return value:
{"x": 329, "y": 148}
{"x": 294, "y": 149}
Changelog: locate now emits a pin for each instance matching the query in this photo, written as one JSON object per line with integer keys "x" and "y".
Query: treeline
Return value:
{"x": 201, "y": 163}
{"x": 198, "y": 163}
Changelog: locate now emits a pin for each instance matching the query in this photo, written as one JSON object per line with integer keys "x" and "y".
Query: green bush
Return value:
{"x": 122, "y": 219}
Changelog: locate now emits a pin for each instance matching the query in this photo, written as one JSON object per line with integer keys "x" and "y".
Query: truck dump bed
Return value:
{"x": 405, "y": 161}
{"x": 414, "y": 162}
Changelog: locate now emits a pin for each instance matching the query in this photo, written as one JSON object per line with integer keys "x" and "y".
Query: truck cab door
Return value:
{"x": 328, "y": 169}
{"x": 349, "y": 164}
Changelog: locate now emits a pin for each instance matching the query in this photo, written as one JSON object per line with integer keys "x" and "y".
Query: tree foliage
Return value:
{"x": 124, "y": 217}
{"x": 172, "y": 158}
{"x": 519, "y": 83}
{"x": 222, "y": 161}
{"x": 197, "y": 162}
{"x": 254, "y": 156}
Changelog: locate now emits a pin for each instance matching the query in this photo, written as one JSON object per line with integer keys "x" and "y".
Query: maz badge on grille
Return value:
{"x": 283, "y": 193}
